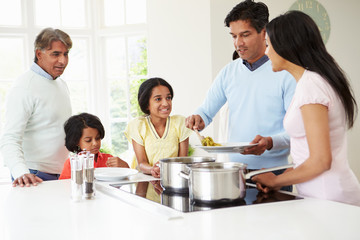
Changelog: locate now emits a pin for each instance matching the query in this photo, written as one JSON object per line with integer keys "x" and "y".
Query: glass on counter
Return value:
{"x": 76, "y": 177}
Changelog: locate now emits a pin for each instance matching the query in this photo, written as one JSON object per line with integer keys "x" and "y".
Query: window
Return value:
{"x": 107, "y": 63}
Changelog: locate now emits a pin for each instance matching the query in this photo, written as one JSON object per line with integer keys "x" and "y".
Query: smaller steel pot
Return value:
{"x": 178, "y": 201}
{"x": 171, "y": 167}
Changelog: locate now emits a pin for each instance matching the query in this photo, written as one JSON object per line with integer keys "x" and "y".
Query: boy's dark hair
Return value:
{"x": 248, "y": 10}
{"x": 145, "y": 91}
{"x": 74, "y": 127}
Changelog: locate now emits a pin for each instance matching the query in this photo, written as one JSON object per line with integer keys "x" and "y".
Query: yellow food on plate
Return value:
{"x": 208, "y": 141}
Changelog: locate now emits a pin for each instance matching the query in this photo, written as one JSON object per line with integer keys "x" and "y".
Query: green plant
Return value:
{"x": 134, "y": 105}
{"x": 138, "y": 69}
{"x": 105, "y": 149}
{"x": 191, "y": 150}
{"x": 137, "y": 74}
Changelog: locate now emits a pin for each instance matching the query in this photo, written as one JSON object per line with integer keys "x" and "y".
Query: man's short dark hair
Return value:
{"x": 248, "y": 10}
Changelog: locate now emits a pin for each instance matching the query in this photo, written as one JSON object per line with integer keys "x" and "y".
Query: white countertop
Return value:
{"x": 47, "y": 211}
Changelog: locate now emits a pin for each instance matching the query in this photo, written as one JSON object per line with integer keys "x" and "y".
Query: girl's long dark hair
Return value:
{"x": 296, "y": 38}
{"x": 145, "y": 91}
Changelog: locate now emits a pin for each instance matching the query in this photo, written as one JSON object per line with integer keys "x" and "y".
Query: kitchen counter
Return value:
{"x": 47, "y": 212}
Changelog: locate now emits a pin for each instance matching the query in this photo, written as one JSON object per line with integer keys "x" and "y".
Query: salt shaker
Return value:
{"x": 88, "y": 186}
{"x": 76, "y": 177}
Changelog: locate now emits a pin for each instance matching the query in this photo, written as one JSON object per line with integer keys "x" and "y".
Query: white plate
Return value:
{"x": 227, "y": 147}
{"x": 111, "y": 174}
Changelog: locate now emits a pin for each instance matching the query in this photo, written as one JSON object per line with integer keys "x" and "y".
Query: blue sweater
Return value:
{"x": 257, "y": 101}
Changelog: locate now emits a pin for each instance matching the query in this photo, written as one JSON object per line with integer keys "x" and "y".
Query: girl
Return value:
{"x": 322, "y": 106}
{"x": 85, "y": 131}
{"x": 156, "y": 135}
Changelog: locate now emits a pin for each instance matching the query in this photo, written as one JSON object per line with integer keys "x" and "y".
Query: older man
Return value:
{"x": 38, "y": 104}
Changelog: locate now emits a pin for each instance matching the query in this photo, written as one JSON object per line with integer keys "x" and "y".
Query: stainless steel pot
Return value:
{"x": 171, "y": 167}
{"x": 220, "y": 181}
{"x": 178, "y": 201}
{"x": 203, "y": 206}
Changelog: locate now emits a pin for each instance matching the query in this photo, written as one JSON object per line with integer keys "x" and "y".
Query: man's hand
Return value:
{"x": 264, "y": 143}
{"x": 27, "y": 179}
{"x": 195, "y": 122}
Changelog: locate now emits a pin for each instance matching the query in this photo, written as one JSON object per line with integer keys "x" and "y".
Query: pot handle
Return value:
{"x": 184, "y": 175}
{"x": 253, "y": 173}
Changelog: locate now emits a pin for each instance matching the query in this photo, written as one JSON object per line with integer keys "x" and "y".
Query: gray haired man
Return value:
{"x": 37, "y": 106}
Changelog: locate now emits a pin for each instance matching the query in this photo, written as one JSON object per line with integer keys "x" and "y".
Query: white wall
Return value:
{"x": 180, "y": 50}
{"x": 343, "y": 44}
{"x": 188, "y": 45}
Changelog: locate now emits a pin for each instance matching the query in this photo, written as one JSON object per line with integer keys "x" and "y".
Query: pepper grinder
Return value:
{"x": 88, "y": 186}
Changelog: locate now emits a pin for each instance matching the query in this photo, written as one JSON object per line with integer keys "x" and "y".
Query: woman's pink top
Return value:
{"x": 339, "y": 183}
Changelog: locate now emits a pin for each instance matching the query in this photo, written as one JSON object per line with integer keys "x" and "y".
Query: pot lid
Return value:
{"x": 187, "y": 160}
{"x": 217, "y": 166}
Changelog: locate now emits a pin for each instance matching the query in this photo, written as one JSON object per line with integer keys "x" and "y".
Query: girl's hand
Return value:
{"x": 116, "y": 162}
{"x": 155, "y": 170}
{"x": 157, "y": 186}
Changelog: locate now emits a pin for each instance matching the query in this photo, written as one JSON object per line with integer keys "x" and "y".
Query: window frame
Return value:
{"x": 98, "y": 99}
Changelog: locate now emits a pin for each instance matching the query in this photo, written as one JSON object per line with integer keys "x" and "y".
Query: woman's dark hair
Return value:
{"x": 145, "y": 91}
{"x": 296, "y": 38}
{"x": 235, "y": 55}
{"x": 74, "y": 128}
{"x": 248, "y": 10}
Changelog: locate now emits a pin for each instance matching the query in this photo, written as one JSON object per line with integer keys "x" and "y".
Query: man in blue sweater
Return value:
{"x": 257, "y": 97}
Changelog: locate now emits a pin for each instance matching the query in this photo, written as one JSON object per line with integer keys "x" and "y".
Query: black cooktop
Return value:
{"x": 152, "y": 191}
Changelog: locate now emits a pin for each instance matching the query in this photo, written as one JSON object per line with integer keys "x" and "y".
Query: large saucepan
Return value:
{"x": 219, "y": 182}
{"x": 170, "y": 169}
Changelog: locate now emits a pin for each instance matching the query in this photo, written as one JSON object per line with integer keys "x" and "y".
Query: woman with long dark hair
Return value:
{"x": 322, "y": 108}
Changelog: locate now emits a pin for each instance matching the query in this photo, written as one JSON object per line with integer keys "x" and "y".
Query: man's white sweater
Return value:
{"x": 33, "y": 136}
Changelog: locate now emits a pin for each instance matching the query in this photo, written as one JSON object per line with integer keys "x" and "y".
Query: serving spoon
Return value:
{"x": 201, "y": 138}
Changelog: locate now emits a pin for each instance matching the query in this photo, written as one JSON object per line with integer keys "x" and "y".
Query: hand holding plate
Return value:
{"x": 263, "y": 143}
